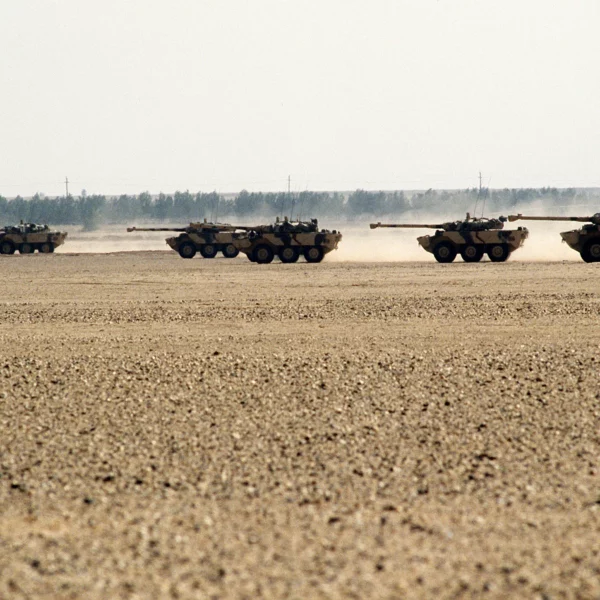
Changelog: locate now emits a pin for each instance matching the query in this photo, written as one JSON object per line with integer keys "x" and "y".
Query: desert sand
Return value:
{"x": 177, "y": 428}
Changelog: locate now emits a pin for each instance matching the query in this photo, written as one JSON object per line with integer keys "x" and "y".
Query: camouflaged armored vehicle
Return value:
{"x": 29, "y": 237}
{"x": 585, "y": 240}
{"x": 288, "y": 240}
{"x": 471, "y": 238}
{"x": 206, "y": 238}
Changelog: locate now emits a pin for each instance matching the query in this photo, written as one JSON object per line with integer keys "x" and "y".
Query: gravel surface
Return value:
{"x": 220, "y": 429}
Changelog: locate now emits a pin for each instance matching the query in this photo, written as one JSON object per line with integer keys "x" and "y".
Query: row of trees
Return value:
{"x": 91, "y": 211}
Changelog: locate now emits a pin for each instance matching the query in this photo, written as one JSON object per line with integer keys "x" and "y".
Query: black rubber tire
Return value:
{"x": 445, "y": 252}
{"x": 314, "y": 254}
{"x": 208, "y": 250}
{"x": 230, "y": 251}
{"x": 591, "y": 251}
{"x": 498, "y": 252}
{"x": 187, "y": 250}
{"x": 289, "y": 254}
{"x": 472, "y": 253}
{"x": 7, "y": 247}
{"x": 263, "y": 254}
{"x": 26, "y": 248}
{"x": 46, "y": 248}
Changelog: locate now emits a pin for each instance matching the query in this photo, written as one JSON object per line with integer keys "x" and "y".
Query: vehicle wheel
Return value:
{"x": 47, "y": 248}
{"x": 498, "y": 252}
{"x": 208, "y": 250}
{"x": 444, "y": 252}
{"x": 472, "y": 253}
{"x": 7, "y": 247}
{"x": 230, "y": 251}
{"x": 289, "y": 254}
{"x": 314, "y": 254}
{"x": 26, "y": 248}
{"x": 263, "y": 254}
{"x": 591, "y": 251}
{"x": 187, "y": 250}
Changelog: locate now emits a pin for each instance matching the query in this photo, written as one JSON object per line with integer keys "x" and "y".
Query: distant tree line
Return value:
{"x": 92, "y": 211}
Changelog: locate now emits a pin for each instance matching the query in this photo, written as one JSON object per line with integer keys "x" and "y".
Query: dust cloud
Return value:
{"x": 359, "y": 243}
{"x": 113, "y": 239}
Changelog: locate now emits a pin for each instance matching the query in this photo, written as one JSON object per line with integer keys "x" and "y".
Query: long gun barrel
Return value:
{"x": 593, "y": 219}
{"x": 406, "y": 225}
{"x": 130, "y": 229}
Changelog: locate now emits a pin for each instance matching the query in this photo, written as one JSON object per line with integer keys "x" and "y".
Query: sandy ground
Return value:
{"x": 220, "y": 429}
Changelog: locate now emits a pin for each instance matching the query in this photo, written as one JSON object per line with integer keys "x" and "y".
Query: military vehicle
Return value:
{"x": 288, "y": 240}
{"x": 28, "y": 237}
{"x": 585, "y": 240}
{"x": 471, "y": 238}
{"x": 206, "y": 238}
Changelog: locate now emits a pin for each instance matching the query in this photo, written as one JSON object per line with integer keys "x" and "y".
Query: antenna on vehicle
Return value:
{"x": 301, "y": 204}
{"x": 216, "y": 217}
{"x": 485, "y": 197}
{"x": 283, "y": 199}
{"x": 293, "y": 198}
{"x": 478, "y": 196}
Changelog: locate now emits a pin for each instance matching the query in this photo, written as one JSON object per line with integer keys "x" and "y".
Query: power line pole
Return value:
{"x": 480, "y": 183}
{"x": 67, "y": 186}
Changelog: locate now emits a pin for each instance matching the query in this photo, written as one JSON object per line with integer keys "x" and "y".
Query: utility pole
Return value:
{"x": 480, "y": 183}
{"x": 67, "y": 185}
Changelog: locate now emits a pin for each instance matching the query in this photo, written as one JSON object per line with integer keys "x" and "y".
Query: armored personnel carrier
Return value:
{"x": 585, "y": 240}
{"x": 206, "y": 238}
{"x": 29, "y": 237}
{"x": 288, "y": 240}
{"x": 471, "y": 238}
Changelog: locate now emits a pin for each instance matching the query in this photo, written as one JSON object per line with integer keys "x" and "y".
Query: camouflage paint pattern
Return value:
{"x": 288, "y": 240}
{"x": 29, "y": 237}
{"x": 205, "y": 238}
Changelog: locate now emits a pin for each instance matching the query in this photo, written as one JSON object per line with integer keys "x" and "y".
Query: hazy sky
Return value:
{"x": 124, "y": 96}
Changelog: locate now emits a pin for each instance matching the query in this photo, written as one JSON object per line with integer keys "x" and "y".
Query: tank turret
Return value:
{"x": 471, "y": 237}
{"x": 585, "y": 240}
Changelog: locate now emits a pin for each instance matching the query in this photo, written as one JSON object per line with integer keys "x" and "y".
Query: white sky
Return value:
{"x": 124, "y": 96}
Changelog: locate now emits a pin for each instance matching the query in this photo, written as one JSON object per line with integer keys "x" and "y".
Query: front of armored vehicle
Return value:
{"x": 173, "y": 242}
{"x": 426, "y": 242}
{"x": 573, "y": 238}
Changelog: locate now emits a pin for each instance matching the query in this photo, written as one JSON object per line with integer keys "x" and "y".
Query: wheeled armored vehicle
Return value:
{"x": 206, "y": 238}
{"x": 471, "y": 238}
{"x": 585, "y": 240}
{"x": 288, "y": 240}
{"x": 29, "y": 237}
